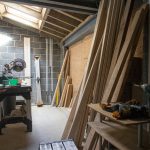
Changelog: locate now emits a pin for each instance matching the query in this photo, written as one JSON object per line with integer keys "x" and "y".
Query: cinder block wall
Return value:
{"x": 14, "y": 49}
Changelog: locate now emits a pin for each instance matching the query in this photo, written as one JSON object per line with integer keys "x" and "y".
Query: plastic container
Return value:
{"x": 13, "y": 82}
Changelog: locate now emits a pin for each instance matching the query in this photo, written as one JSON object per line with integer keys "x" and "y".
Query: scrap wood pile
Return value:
{"x": 65, "y": 99}
{"x": 116, "y": 36}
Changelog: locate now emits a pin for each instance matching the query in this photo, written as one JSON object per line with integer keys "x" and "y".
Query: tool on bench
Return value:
{"x": 8, "y": 78}
{"x": 129, "y": 110}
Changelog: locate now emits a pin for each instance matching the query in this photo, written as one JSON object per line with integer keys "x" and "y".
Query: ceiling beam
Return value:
{"x": 63, "y": 28}
{"x": 71, "y": 16}
{"x": 64, "y": 5}
{"x": 56, "y": 28}
{"x": 56, "y": 36}
{"x": 53, "y": 32}
{"x": 77, "y": 15}
{"x": 2, "y": 10}
{"x": 62, "y": 21}
{"x": 63, "y": 17}
{"x": 45, "y": 13}
{"x": 88, "y": 5}
{"x": 23, "y": 9}
{"x": 59, "y": 23}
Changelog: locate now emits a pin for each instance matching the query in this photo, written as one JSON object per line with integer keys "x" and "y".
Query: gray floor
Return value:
{"x": 48, "y": 125}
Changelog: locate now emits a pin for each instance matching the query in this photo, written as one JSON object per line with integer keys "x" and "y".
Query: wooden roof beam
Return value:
{"x": 59, "y": 23}
{"x": 71, "y": 16}
{"x": 63, "y": 17}
{"x": 53, "y": 32}
{"x": 63, "y": 34}
{"x": 56, "y": 28}
{"x": 63, "y": 5}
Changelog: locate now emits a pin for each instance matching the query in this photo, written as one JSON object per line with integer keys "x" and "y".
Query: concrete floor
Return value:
{"x": 48, "y": 126}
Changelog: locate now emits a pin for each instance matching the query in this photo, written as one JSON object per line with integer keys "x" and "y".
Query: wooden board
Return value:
{"x": 121, "y": 35}
{"x": 62, "y": 100}
{"x": 83, "y": 99}
{"x": 122, "y": 137}
{"x": 68, "y": 95}
{"x": 98, "y": 108}
{"x": 78, "y": 60}
{"x": 59, "y": 79}
{"x": 130, "y": 38}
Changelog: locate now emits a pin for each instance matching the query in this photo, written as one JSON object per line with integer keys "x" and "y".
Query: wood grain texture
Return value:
{"x": 68, "y": 95}
{"x": 59, "y": 79}
{"x": 130, "y": 38}
{"x": 68, "y": 81}
{"x": 118, "y": 135}
{"x": 128, "y": 122}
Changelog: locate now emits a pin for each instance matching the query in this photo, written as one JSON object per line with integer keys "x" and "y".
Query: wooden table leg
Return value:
{"x": 140, "y": 136}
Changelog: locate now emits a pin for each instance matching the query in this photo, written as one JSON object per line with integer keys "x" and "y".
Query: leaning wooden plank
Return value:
{"x": 83, "y": 99}
{"x": 108, "y": 42}
{"x": 130, "y": 38}
{"x": 107, "y": 48}
{"x": 124, "y": 74}
{"x": 68, "y": 81}
{"x": 67, "y": 69}
{"x": 71, "y": 116}
{"x": 59, "y": 79}
{"x": 68, "y": 95}
{"x": 92, "y": 132}
{"x": 98, "y": 32}
{"x": 89, "y": 144}
{"x": 121, "y": 35}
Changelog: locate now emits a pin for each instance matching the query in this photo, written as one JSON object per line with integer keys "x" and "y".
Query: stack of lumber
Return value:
{"x": 65, "y": 100}
{"x": 66, "y": 93}
{"x": 116, "y": 36}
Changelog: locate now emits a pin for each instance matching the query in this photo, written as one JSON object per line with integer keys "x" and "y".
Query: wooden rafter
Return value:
{"x": 79, "y": 7}
{"x": 59, "y": 23}
{"x": 55, "y": 28}
{"x": 69, "y": 15}
{"x": 53, "y": 32}
{"x": 62, "y": 21}
{"x": 63, "y": 28}
{"x": 63, "y": 17}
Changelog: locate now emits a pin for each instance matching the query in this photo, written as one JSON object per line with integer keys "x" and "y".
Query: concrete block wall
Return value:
{"x": 15, "y": 49}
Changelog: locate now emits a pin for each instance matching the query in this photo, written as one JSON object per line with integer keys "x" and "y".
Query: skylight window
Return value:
{"x": 4, "y": 39}
{"x": 22, "y": 15}
{"x": 26, "y": 22}
{"x": 29, "y": 15}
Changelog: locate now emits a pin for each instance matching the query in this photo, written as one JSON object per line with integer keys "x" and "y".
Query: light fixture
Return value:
{"x": 4, "y": 39}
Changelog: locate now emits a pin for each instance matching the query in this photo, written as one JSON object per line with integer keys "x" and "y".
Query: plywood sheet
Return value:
{"x": 78, "y": 59}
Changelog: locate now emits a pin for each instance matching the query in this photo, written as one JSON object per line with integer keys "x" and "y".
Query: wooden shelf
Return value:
{"x": 122, "y": 137}
{"x": 98, "y": 108}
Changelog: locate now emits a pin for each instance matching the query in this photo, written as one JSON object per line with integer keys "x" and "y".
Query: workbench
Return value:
{"x": 24, "y": 91}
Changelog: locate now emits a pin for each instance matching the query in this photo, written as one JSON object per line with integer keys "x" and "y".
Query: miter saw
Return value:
{"x": 8, "y": 78}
